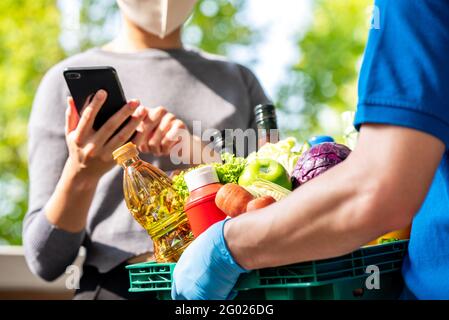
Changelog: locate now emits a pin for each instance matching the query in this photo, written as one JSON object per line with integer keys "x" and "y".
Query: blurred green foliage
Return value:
{"x": 213, "y": 27}
{"x": 323, "y": 82}
{"x": 93, "y": 17}
{"x": 29, "y": 33}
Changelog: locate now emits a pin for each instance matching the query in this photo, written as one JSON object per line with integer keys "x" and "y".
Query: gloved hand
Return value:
{"x": 206, "y": 269}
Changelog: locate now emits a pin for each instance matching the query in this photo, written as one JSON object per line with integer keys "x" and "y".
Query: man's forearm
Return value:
{"x": 321, "y": 219}
{"x": 376, "y": 190}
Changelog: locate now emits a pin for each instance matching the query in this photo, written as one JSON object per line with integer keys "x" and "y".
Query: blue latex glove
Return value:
{"x": 206, "y": 269}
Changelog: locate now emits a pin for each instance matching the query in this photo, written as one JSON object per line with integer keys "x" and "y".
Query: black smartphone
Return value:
{"x": 84, "y": 82}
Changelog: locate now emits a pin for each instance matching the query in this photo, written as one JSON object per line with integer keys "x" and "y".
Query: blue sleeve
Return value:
{"x": 404, "y": 79}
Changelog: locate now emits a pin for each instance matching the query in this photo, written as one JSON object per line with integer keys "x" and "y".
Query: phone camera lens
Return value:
{"x": 73, "y": 75}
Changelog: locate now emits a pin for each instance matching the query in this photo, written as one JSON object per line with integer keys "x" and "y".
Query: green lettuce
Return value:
{"x": 282, "y": 151}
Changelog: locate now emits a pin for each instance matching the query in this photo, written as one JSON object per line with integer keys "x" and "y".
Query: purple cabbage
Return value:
{"x": 317, "y": 160}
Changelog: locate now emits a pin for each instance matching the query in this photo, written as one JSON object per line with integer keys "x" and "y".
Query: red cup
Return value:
{"x": 202, "y": 212}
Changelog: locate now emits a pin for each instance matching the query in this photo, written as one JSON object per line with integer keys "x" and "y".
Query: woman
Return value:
{"x": 76, "y": 194}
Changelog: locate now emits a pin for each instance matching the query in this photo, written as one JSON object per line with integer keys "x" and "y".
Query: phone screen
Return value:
{"x": 83, "y": 83}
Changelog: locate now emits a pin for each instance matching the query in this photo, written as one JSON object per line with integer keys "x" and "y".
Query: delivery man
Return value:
{"x": 399, "y": 172}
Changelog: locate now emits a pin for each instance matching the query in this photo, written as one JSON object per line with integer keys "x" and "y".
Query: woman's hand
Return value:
{"x": 159, "y": 132}
{"x": 90, "y": 151}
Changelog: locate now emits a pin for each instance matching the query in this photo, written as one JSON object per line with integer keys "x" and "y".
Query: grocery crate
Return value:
{"x": 391, "y": 285}
{"x": 337, "y": 278}
{"x": 150, "y": 276}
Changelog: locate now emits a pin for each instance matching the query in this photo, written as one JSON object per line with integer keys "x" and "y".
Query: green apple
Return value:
{"x": 266, "y": 169}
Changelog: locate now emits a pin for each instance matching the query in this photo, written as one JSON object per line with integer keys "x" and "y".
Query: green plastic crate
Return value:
{"x": 150, "y": 276}
{"x": 391, "y": 285}
{"x": 336, "y": 278}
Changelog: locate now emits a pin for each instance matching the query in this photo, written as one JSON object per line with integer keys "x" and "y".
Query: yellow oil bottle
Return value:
{"x": 154, "y": 203}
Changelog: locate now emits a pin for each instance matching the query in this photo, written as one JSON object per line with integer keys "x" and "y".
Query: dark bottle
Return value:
{"x": 267, "y": 128}
{"x": 221, "y": 143}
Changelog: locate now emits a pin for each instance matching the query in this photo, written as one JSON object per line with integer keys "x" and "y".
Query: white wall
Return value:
{"x": 17, "y": 281}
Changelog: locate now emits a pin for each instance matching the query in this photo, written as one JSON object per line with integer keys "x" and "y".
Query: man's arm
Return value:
{"x": 377, "y": 189}
{"x": 380, "y": 187}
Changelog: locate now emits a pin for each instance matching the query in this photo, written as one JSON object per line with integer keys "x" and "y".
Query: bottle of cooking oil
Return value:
{"x": 154, "y": 203}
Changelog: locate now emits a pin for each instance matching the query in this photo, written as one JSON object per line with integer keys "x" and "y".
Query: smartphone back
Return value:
{"x": 84, "y": 82}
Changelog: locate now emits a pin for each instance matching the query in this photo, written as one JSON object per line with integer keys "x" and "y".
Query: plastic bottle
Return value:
{"x": 154, "y": 203}
{"x": 319, "y": 139}
{"x": 203, "y": 185}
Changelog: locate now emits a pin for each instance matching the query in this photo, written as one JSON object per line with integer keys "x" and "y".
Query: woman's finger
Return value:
{"x": 144, "y": 131}
{"x": 89, "y": 113}
{"x": 155, "y": 141}
{"x": 155, "y": 116}
{"x": 172, "y": 137}
{"x": 71, "y": 116}
{"x": 139, "y": 137}
{"x": 126, "y": 132}
{"x": 153, "y": 120}
{"x": 108, "y": 129}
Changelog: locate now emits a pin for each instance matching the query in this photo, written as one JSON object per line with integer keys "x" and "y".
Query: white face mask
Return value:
{"x": 159, "y": 17}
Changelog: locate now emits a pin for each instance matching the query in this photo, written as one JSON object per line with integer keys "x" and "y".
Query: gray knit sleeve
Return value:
{"x": 48, "y": 250}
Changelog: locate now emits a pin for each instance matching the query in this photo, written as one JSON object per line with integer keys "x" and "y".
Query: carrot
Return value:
{"x": 260, "y": 203}
{"x": 232, "y": 199}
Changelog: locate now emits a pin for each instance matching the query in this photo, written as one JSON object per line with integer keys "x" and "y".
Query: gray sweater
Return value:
{"x": 192, "y": 85}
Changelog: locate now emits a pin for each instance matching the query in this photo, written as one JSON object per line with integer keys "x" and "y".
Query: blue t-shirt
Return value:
{"x": 404, "y": 81}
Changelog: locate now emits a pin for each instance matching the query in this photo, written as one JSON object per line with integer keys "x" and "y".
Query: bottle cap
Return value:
{"x": 220, "y": 143}
{"x": 264, "y": 112}
{"x": 217, "y": 140}
{"x": 126, "y": 151}
{"x": 200, "y": 177}
{"x": 319, "y": 139}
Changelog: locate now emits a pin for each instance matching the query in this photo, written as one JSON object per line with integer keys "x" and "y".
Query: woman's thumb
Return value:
{"x": 71, "y": 116}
